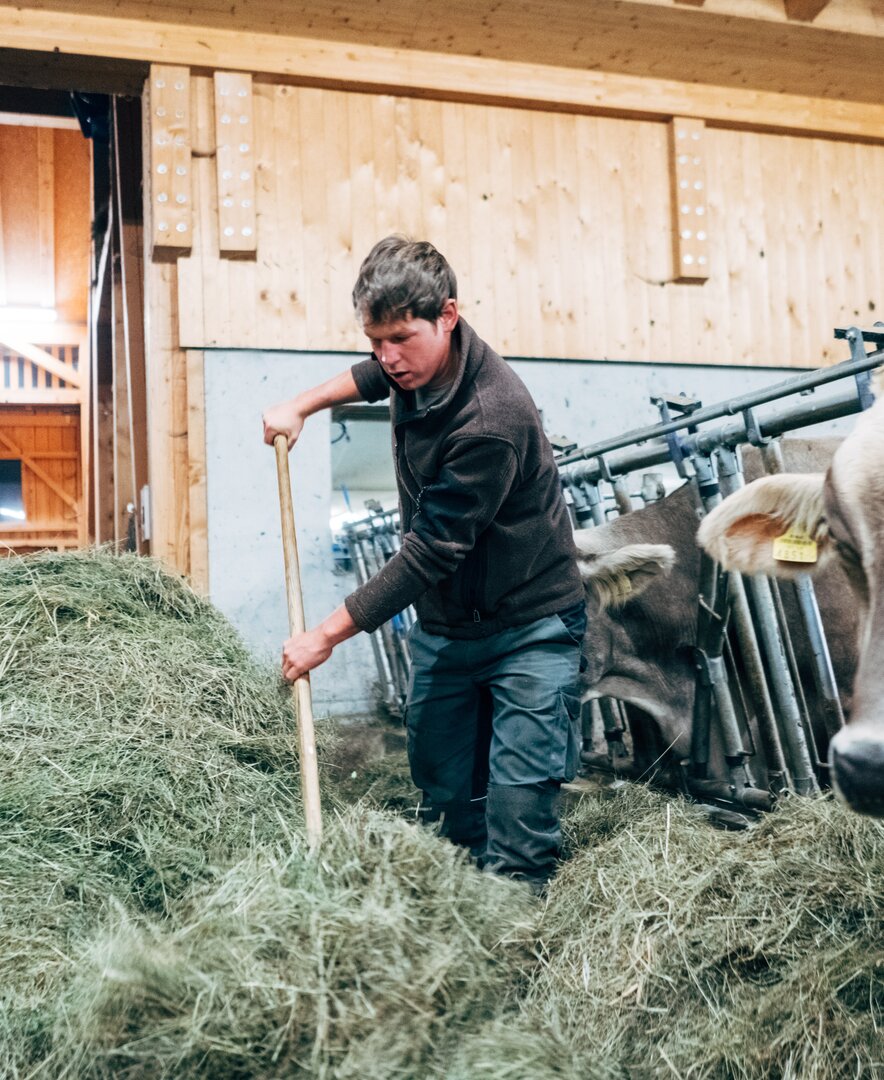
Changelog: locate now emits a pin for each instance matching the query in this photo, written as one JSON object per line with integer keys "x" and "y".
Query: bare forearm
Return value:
{"x": 338, "y": 626}
{"x": 341, "y": 390}
{"x": 287, "y": 417}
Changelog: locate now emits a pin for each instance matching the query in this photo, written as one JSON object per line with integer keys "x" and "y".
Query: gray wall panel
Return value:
{"x": 587, "y": 401}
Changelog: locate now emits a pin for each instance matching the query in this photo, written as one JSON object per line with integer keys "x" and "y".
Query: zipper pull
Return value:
{"x": 476, "y": 616}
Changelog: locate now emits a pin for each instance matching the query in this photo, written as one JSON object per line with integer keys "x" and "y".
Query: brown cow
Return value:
{"x": 642, "y": 575}
{"x": 842, "y": 512}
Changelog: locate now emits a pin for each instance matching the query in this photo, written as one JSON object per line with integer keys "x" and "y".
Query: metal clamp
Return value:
{"x": 753, "y": 431}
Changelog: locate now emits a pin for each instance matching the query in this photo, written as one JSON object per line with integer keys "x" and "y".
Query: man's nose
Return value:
{"x": 388, "y": 355}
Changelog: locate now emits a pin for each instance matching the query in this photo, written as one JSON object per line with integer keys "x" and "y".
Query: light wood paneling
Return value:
{"x": 72, "y": 166}
{"x": 734, "y": 43}
{"x": 44, "y": 220}
{"x": 558, "y": 226}
{"x": 668, "y": 87}
{"x": 27, "y": 197}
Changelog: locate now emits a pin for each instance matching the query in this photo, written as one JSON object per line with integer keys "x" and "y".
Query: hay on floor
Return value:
{"x": 162, "y": 917}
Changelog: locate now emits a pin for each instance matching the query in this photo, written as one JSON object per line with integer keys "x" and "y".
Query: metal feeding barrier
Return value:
{"x": 371, "y": 543}
{"x": 752, "y": 669}
{"x": 744, "y": 655}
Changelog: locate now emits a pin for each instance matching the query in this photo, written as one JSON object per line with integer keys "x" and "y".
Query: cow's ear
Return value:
{"x": 621, "y": 575}
{"x": 742, "y": 532}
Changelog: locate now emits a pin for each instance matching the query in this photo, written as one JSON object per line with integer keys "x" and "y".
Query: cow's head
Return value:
{"x": 635, "y": 626}
{"x": 843, "y": 513}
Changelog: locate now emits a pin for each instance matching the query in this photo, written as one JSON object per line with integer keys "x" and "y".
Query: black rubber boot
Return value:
{"x": 523, "y": 831}
{"x": 462, "y": 823}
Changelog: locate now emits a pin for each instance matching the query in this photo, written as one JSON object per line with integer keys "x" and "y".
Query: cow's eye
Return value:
{"x": 847, "y": 552}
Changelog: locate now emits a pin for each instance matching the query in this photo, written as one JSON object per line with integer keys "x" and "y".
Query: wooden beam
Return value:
{"x": 804, "y": 10}
{"x": 32, "y": 120}
{"x": 43, "y": 334}
{"x": 42, "y": 455}
{"x": 29, "y": 528}
{"x": 691, "y": 3}
{"x": 458, "y": 77}
{"x": 41, "y": 358}
{"x": 40, "y": 397}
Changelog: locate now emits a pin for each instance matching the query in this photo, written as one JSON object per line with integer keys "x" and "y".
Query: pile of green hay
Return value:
{"x": 148, "y": 770}
{"x": 672, "y": 949}
{"x": 162, "y": 916}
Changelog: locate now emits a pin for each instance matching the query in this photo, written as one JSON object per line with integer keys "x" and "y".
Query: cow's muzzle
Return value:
{"x": 856, "y": 761}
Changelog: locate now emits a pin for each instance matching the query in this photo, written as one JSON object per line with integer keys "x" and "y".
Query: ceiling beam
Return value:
{"x": 691, "y": 3}
{"x": 380, "y": 69}
{"x": 804, "y": 10}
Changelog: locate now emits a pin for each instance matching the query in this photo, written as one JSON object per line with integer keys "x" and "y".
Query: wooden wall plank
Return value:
{"x": 339, "y": 212}
{"x": 480, "y": 300}
{"x": 530, "y": 329}
{"x": 198, "y": 513}
{"x": 589, "y": 232}
{"x": 28, "y": 282}
{"x": 72, "y": 163}
{"x": 46, "y": 212}
{"x": 365, "y": 222}
{"x": 503, "y": 242}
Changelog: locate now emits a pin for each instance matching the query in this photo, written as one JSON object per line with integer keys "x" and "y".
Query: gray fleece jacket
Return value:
{"x": 487, "y": 540}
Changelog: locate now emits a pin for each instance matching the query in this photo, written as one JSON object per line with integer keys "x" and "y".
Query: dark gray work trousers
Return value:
{"x": 492, "y": 734}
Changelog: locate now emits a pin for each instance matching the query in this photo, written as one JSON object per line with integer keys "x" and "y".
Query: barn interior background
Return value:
{"x": 638, "y": 197}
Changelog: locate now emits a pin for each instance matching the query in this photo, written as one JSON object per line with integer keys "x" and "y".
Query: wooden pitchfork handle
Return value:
{"x": 302, "y": 699}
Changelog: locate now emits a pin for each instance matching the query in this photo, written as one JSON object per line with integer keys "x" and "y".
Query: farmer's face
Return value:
{"x": 415, "y": 352}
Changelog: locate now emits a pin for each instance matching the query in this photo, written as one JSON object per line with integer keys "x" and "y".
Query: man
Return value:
{"x": 487, "y": 558}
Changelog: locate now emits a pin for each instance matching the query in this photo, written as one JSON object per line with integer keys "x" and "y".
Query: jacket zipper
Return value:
{"x": 474, "y": 584}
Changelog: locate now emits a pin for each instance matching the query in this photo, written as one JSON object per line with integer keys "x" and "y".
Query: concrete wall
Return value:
{"x": 586, "y": 400}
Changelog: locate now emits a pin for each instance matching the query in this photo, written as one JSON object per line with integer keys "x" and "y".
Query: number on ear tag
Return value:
{"x": 795, "y": 546}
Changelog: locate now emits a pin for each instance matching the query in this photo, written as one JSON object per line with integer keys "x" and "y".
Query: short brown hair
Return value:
{"x": 401, "y": 277}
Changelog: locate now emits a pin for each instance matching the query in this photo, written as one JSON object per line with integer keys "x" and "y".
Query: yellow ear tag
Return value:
{"x": 795, "y": 546}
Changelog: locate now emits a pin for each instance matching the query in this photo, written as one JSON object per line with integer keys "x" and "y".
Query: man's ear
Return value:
{"x": 449, "y": 315}
{"x": 740, "y": 533}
